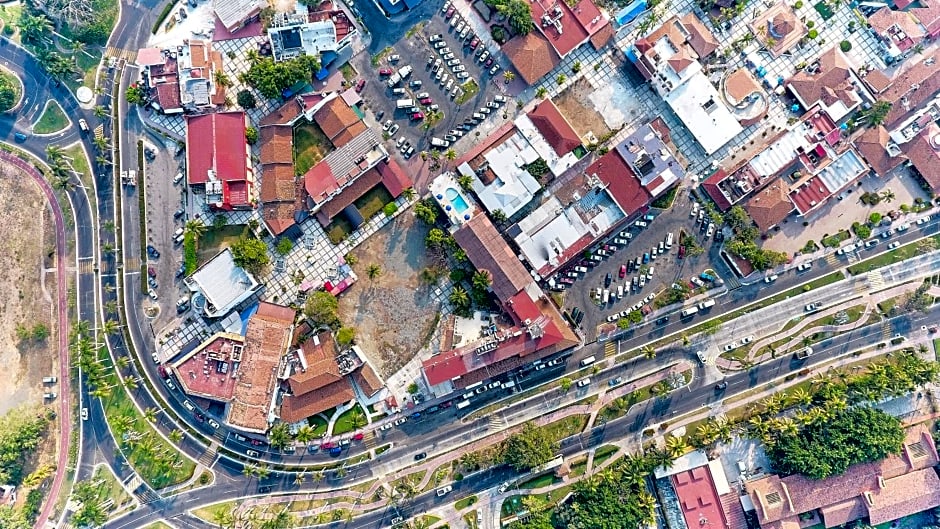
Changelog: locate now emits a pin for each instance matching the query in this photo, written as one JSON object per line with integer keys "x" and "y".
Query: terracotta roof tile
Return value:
{"x": 266, "y": 340}
{"x": 283, "y": 115}
{"x": 924, "y": 153}
{"x": 873, "y": 144}
{"x": 488, "y": 251}
{"x": 298, "y": 408}
{"x": 347, "y": 196}
{"x": 781, "y": 24}
{"x": 926, "y": 77}
{"x": 834, "y": 74}
{"x": 531, "y": 55}
{"x": 929, "y": 16}
{"x": 367, "y": 380}
{"x": 877, "y": 81}
{"x": 277, "y": 144}
{"x": 278, "y": 183}
{"x": 769, "y": 206}
{"x": 278, "y": 216}
{"x": 701, "y": 39}
{"x": 322, "y": 370}
{"x": 334, "y": 117}
{"x": 554, "y": 127}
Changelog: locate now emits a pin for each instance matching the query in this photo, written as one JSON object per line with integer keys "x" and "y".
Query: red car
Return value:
{"x": 385, "y": 71}
{"x": 473, "y": 43}
{"x": 426, "y": 101}
{"x": 681, "y": 252}
{"x": 417, "y": 116}
{"x": 358, "y": 437}
{"x": 326, "y": 446}
{"x": 623, "y": 271}
{"x": 450, "y": 12}
{"x": 152, "y": 272}
{"x": 360, "y": 84}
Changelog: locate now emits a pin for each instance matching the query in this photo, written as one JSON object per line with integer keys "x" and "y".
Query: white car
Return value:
{"x": 153, "y": 294}
{"x": 923, "y": 220}
{"x": 156, "y": 359}
{"x": 701, "y": 357}
{"x": 387, "y": 125}
{"x": 393, "y": 130}
{"x": 85, "y": 417}
{"x": 461, "y": 75}
{"x": 771, "y": 278}
{"x": 612, "y": 318}
{"x": 584, "y": 382}
{"x": 803, "y": 267}
{"x": 401, "y": 421}
{"x": 731, "y": 346}
{"x": 444, "y": 490}
{"x": 640, "y": 224}
{"x": 698, "y": 282}
{"x": 894, "y": 245}
{"x": 747, "y": 339}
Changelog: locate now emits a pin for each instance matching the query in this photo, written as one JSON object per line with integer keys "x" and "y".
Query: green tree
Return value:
{"x": 541, "y": 92}
{"x": 345, "y": 336}
{"x": 610, "y": 499}
{"x": 34, "y": 26}
{"x": 519, "y": 15}
{"x": 426, "y": 210}
{"x": 373, "y": 271}
{"x": 481, "y": 280}
{"x": 876, "y": 115}
{"x": 250, "y": 254}
{"x": 271, "y": 78}
{"x": 251, "y": 135}
{"x": 322, "y": 307}
{"x": 565, "y": 384}
{"x": 176, "y": 436}
{"x": 135, "y": 95}
{"x": 305, "y": 434}
{"x": 459, "y": 298}
{"x": 529, "y": 448}
{"x": 828, "y": 448}
{"x": 279, "y": 435}
{"x": 246, "y": 99}
{"x": 7, "y": 94}
{"x": 284, "y": 246}
{"x": 196, "y": 227}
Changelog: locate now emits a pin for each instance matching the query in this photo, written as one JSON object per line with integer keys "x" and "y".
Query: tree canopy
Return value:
{"x": 322, "y": 308}
{"x": 250, "y": 254}
{"x": 20, "y": 433}
{"x": 271, "y": 78}
{"x": 608, "y": 500}
{"x": 828, "y": 448}
{"x": 529, "y": 448}
{"x": 7, "y": 93}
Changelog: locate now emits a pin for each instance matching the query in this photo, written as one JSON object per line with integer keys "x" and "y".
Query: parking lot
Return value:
{"x": 655, "y": 273}
{"x": 446, "y": 83}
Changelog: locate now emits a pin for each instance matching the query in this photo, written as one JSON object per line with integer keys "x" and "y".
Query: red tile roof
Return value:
{"x": 168, "y": 95}
{"x": 278, "y": 183}
{"x": 769, "y": 206}
{"x": 572, "y": 33}
{"x": 832, "y": 82}
{"x": 711, "y": 188}
{"x": 554, "y": 127}
{"x": 319, "y": 352}
{"x": 339, "y": 121}
{"x": 348, "y": 195}
{"x": 277, "y": 143}
{"x": 320, "y": 181}
{"x": 298, "y": 408}
{"x": 924, "y": 153}
{"x": 622, "y": 183}
{"x": 216, "y": 142}
{"x": 531, "y": 55}
{"x": 873, "y": 145}
{"x": 701, "y": 39}
{"x": 926, "y": 77}
{"x": 809, "y": 195}
{"x": 903, "y": 484}
{"x": 367, "y": 380}
{"x": 698, "y": 498}
{"x": 278, "y": 216}
{"x": 487, "y": 250}
{"x": 929, "y": 16}
{"x": 394, "y": 177}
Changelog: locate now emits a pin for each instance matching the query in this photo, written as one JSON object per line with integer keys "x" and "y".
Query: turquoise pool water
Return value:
{"x": 460, "y": 205}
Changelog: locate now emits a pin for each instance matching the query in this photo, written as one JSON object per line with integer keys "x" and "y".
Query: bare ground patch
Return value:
{"x": 394, "y": 314}
{"x": 25, "y": 295}
{"x": 582, "y": 117}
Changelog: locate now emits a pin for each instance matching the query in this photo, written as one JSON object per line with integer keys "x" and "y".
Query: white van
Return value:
{"x": 689, "y": 311}
{"x": 468, "y": 395}
{"x": 669, "y": 240}
{"x": 509, "y": 385}
{"x": 706, "y": 304}
{"x": 606, "y": 298}
{"x": 463, "y": 404}
{"x": 619, "y": 291}
{"x": 588, "y": 361}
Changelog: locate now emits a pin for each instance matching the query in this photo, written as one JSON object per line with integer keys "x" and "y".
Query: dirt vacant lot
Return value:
{"x": 582, "y": 116}
{"x": 27, "y": 232}
{"x": 394, "y": 314}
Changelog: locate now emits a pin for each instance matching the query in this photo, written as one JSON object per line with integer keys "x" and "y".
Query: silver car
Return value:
{"x": 460, "y": 68}
{"x": 462, "y": 75}
{"x": 461, "y": 26}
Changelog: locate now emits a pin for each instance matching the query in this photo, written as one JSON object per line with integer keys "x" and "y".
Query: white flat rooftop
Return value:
{"x": 699, "y": 106}
{"x": 223, "y": 283}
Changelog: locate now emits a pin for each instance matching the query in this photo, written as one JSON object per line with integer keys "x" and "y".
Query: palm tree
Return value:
{"x": 409, "y": 193}
{"x": 100, "y": 112}
{"x": 262, "y": 471}
{"x": 648, "y": 351}
{"x": 101, "y": 143}
{"x": 34, "y": 28}
{"x": 541, "y": 92}
{"x": 299, "y": 478}
{"x": 676, "y": 446}
{"x": 223, "y": 518}
{"x": 508, "y": 76}
{"x": 196, "y": 227}
{"x": 887, "y": 195}
{"x": 373, "y": 271}
{"x": 358, "y": 417}
{"x": 54, "y": 152}
{"x": 459, "y": 297}
{"x": 249, "y": 470}
{"x": 110, "y": 327}
{"x": 122, "y": 362}
{"x": 481, "y": 280}
{"x": 102, "y": 160}
{"x": 130, "y": 383}
{"x": 150, "y": 414}
{"x": 305, "y": 434}
{"x": 176, "y": 436}
{"x": 450, "y": 154}
{"x": 77, "y": 46}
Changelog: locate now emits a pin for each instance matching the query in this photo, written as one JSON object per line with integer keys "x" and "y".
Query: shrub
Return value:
{"x": 390, "y": 209}
{"x": 812, "y": 34}
{"x": 861, "y": 230}
{"x": 251, "y": 135}
{"x": 875, "y": 218}
{"x": 798, "y": 4}
{"x": 845, "y": 45}
{"x": 246, "y": 100}
{"x": 810, "y": 24}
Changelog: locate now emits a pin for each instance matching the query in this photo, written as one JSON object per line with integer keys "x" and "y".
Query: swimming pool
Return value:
{"x": 460, "y": 205}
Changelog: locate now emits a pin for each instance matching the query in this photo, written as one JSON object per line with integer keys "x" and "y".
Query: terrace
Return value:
{"x": 211, "y": 370}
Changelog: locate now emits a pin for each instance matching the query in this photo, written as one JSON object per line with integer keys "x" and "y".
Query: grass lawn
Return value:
{"x": 665, "y": 201}
{"x": 349, "y": 73}
{"x": 371, "y": 203}
{"x": 318, "y": 424}
{"x": 463, "y": 503}
{"x": 110, "y": 489}
{"x": 603, "y": 454}
{"x": 215, "y": 240}
{"x": 53, "y": 119}
{"x": 208, "y": 513}
{"x": 344, "y": 423}
{"x": 14, "y": 82}
{"x": 894, "y": 256}
{"x": 9, "y": 14}
{"x": 89, "y": 65}
{"x": 566, "y": 427}
{"x": 468, "y": 90}
{"x": 936, "y": 348}
{"x": 538, "y": 482}
{"x": 338, "y": 230}
{"x": 157, "y": 525}
{"x": 79, "y": 163}
{"x": 310, "y": 146}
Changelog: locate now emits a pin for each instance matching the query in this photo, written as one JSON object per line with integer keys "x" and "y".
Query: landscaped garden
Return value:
{"x": 53, "y": 119}
{"x": 11, "y": 91}
{"x": 310, "y": 146}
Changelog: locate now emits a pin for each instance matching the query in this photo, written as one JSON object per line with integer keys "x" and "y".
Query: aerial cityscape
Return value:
{"x": 428, "y": 264}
